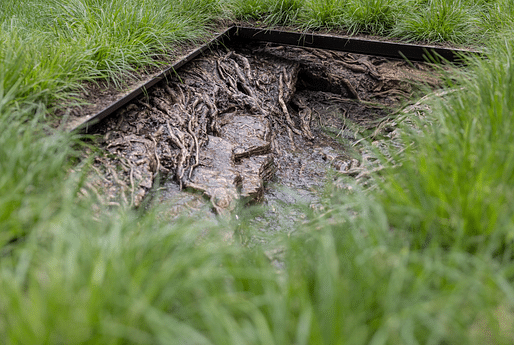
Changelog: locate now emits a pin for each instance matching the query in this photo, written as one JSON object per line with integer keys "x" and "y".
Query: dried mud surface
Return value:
{"x": 241, "y": 116}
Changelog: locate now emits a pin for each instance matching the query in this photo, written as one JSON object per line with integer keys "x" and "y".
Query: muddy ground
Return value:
{"x": 249, "y": 123}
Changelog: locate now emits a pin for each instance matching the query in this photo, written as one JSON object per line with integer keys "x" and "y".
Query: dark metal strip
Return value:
{"x": 352, "y": 45}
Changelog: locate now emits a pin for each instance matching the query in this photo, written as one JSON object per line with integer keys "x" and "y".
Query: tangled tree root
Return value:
{"x": 219, "y": 126}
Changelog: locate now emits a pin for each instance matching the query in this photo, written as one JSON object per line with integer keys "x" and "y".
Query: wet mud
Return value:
{"x": 249, "y": 123}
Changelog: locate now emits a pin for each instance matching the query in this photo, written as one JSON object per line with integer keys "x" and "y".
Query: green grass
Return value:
{"x": 463, "y": 163}
{"x": 373, "y": 16}
{"x": 441, "y": 20}
{"x": 325, "y": 13}
{"x": 424, "y": 258}
{"x": 267, "y": 11}
{"x": 49, "y": 47}
{"x": 457, "y": 21}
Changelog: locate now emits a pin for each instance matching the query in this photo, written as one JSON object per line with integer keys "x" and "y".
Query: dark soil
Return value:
{"x": 239, "y": 117}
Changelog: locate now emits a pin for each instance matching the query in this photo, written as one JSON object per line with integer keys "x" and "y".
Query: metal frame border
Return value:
{"x": 347, "y": 44}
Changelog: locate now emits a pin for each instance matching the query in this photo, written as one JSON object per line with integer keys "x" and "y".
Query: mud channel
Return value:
{"x": 253, "y": 123}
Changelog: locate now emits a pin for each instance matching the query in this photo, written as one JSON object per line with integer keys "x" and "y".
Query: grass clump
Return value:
{"x": 284, "y": 12}
{"x": 457, "y": 21}
{"x": 269, "y": 12}
{"x": 439, "y": 21}
{"x": 122, "y": 36}
{"x": 372, "y": 16}
{"x": 49, "y": 47}
{"x": 31, "y": 68}
{"x": 32, "y": 170}
{"x": 454, "y": 185}
{"x": 366, "y": 284}
{"x": 497, "y": 15}
{"x": 132, "y": 279}
{"x": 324, "y": 14}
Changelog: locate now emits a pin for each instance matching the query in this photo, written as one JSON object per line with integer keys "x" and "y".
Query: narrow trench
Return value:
{"x": 252, "y": 123}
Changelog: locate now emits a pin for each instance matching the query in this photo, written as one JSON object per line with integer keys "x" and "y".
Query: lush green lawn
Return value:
{"x": 422, "y": 257}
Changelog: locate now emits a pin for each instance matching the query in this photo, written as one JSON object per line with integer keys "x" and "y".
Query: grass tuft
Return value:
{"x": 454, "y": 186}
{"x": 372, "y": 16}
{"x": 439, "y": 21}
{"x": 323, "y": 14}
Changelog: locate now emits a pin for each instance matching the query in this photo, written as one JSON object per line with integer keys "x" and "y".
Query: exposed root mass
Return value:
{"x": 228, "y": 121}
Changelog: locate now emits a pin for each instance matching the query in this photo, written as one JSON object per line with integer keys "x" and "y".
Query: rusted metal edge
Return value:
{"x": 353, "y": 45}
{"x": 87, "y": 124}
{"x": 411, "y": 52}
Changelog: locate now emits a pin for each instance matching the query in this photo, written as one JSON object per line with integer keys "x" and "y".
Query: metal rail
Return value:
{"x": 237, "y": 33}
{"x": 353, "y": 45}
